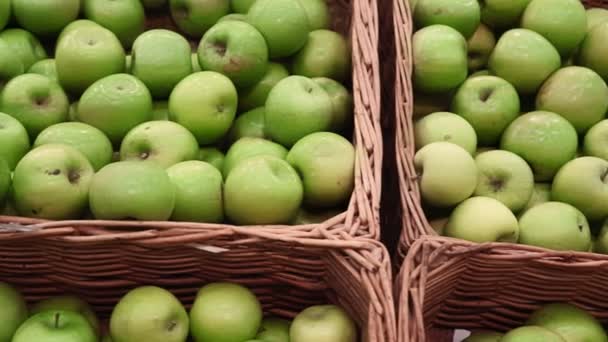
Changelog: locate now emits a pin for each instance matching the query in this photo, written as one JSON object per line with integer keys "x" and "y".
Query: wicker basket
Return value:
{"x": 448, "y": 284}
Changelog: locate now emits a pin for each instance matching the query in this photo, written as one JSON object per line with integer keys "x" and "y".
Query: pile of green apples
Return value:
{"x": 555, "y": 322}
{"x": 221, "y": 312}
{"x": 510, "y": 121}
{"x": 102, "y": 119}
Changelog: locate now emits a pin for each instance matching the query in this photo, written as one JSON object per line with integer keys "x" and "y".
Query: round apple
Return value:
{"x": 256, "y": 95}
{"x": 34, "y": 16}
{"x": 503, "y": 14}
{"x": 45, "y": 67}
{"x": 14, "y": 311}
{"x": 195, "y": 17}
{"x": 68, "y": 303}
{"x": 212, "y": 156}
{"x": 126, "y": 18}
{"x": 14, "y": 140}
{"x": 595, "y": 143}
{"x": 568, "y": 321}
{"x": 444, "y": 126}
{"x": 531, "y": 333}
{"x": 593, "y": 50}
{"x": 462, "y": 15}
{"x": 323, "y": 323}
{"x": 249, "y": 124}
{"x": 55, "y": 326}
{"x": 246, "y": 148}
{"x": 325, "y": 54}
{"x": 342, "y": 101}
{"x": 24, "y": 45}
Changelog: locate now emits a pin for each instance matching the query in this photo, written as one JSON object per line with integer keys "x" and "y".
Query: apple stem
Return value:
{"x": 57, "y": 320}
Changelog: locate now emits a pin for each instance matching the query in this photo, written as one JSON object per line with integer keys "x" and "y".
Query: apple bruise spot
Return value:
{"x": 220, "y": 108}
{"x": 73, "y": 176}
{"x": 54, "y": 172}
{"x": 485, "y": 94}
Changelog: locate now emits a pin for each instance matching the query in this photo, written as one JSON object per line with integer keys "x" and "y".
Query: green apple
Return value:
{"x": 14, "y": 140}
{"x": 36, "y": 101}
{"x": 195, "y": 17}
{"x": 115, "y": 104}
{"x": 212, "y": 156}
{"x": 125, "y": 18}
{"x": 198, "y": 192}
{"x": 489, "y": 104}
{"x": 5, "y": 181}
{"x": 55, "y": 326}
{"x": 504, "y": 176}
{"x": 480, "y": 46}
{"x": 531, "y": 334}
{"x": 241, "y": 6}
{"x": 592, "y": 51}
{"x": 541, "y": 194}
{"x": 34, "y": 16}
{"x": 24, "y": 45}
{"x": 440, "y": 59}
{"x": 248, "y": 124}
{"x": 45, "y": 67}
{"x": 526, "y": 72}
{"x": 595, "y": 16}
{"x": 326, "y": 163}
{"x": 462, "y": 15}
{"x": 149, "y": 313}
{"x": 317, "y": 12}
{"x": 482, "y": 219}
{"x": 297, "y": 106}
{"x": 162, "y": 142}
{"x": 440, "y": 188}
{"x": 555, "y": 225}
{"x": 582, "y": 183}
{"x": 578, "y": 94}
{"x": 160, "y": 111}
{"x": 342, "y": 101}
{"x": 323, "y": 323}
{"x": 544, "y": 139}
{"x": 306, "y": 216}
{"x": 90, "y": 141}
{"x": 5, "y": 14}
{"x": 75, "y": 25}
{"x": 262, "y": 190}
{"x": 444, "y": 126}
{"x": 161, "y": 59}
{"x": 123, "y": 190}
{"x": 68, "y": 303}
{"x": 235, "y": 49}
{"x": 86, "y": 54}
{"x": 595, "y": 144}
{"x": 246, "y": 148}
{"x": 484, "y": 336}
{"x": 325, "y": 54}
{"x": 256, "y": 95}
{"x": 572, "y": 323}
{"x": 225, "y": 312}
{"x": 270, "y": 16}
{"x": 13, "y": 313}
{"x": 154, "y": 4}
{"x": 503, "y": 14}
{"x": 562, "y": 22}
{"x": 205, "y": 103}
{"x": 274, "y": 330}
{"x": 10, "y": 64}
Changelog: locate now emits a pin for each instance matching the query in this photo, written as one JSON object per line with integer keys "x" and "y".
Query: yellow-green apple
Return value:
{"x": 541, "y": 194}
{"x": 225, "y": 312}
{"x": 161, "y": 59}
{"x": 233, "y": 16}
{"x": 212, "y": 156}
{"x": 75, "y": 25}
{"x": 480, "y": 46}
{"x": 86, "y": 54}
{"x": 241, "y": 6}
{"x": 154, "y": 4}
{"x": 24, "y": 45}
{"x": 567, "y": 320}
{"x": 306, "y": 216}
{"x": 36, "y": 16}
{"x": 270, "y": 16}
{"x": 132, "y": 190}
{"x": 5, "y": 181}
{"x": 342, "y": 101}
{"x": 248, "y": 147}
{"x": 195, "y": 17}
{"x": 10, "y": 64}
{"x": 248, "y": 124}
{"x": 149, "y": 313}
{"x": 160, "y": 111}
{"x": 436, "y": 70}
{"x": 52, "y": 182}
{"x": 503, "y": 14}
{"x": 14, "y": 311}
{"x": 526, "y": 72}
{"x": 317, "y": 12}
{"x": 462, "y": 15}
{"x": 323, "y": 323}
{"x": 256, "y": 95}
{"x": 555, "y": 225}
{"x": 274, "y": 330}
{"x": 14, "y": 140}
{"x": 297, "y": 106}
{"x": 489, "y": 104}
{"x": 115, "y": 104}
{"x": 578, "y": 94}
{"x": 544, "y": 139}
{"x": 198, "y": 192}
{"x": 235, "y": 49}
{"x": 45, "y": 67}
{"x": 504, "y": 176}
{"x": 325, "y": 54}
{"x": 90, "y": 141}
{"x": 592, "y": 51}
{"x": 326, "y": 163}
{"x": 68, "y": 303}
{"x": 205, "y": 103}
{"x": 595, "y": 143}
{"x": 531, "y": 333}
{"x": 5, "y": 14}
{"x": 482, "y": 219}
{"x": 125, "y": 18}
{"x": 445, "y": 126}
{"x": 55, "y": 326}
{"x": 36, "y": 101}
{"x": 595, "y": 16}
{"x": 484, "y": 336}
{"x": 162, "y": 142}
{"x": 582, "y": 183}
{"x": 262, "y": 190}
{"x": 562, "y": 22}
{"x": 440, "y": 188}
